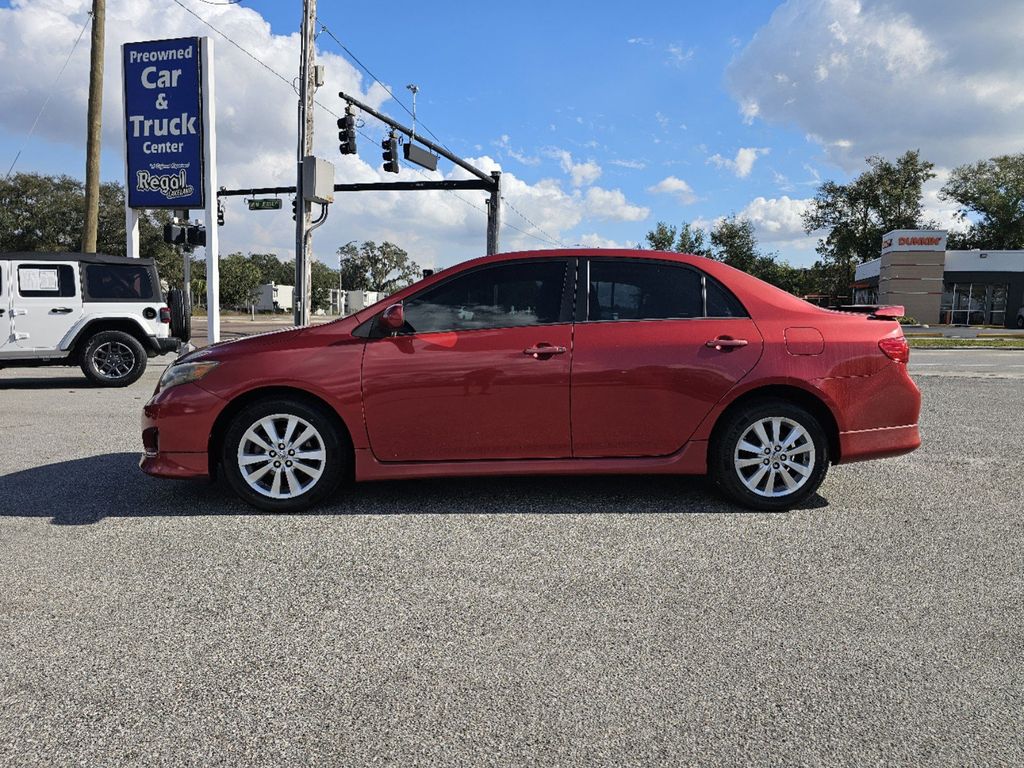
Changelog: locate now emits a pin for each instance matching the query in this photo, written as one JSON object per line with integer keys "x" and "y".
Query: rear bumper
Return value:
{"x": 162, "y": 345}
{"x": 864, "y": 444}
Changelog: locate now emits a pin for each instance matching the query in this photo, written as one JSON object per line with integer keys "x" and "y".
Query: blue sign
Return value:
{"x": 163, "y": 123}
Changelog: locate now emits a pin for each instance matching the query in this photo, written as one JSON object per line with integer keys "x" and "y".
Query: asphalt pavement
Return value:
{"x": 576, "y": 621}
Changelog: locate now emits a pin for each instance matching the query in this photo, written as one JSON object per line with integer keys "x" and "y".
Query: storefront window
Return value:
{"x": 973, "y": 303}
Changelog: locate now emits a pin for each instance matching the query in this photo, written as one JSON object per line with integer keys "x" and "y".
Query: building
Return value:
{"x": 940, "y": 286}
{"x": 349, "y": 302}
{"x": 274, "y": 298}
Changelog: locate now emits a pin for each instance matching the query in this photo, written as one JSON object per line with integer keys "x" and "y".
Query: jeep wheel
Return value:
{"x": 181, "y": 315}
{"x": 113, "y": 359}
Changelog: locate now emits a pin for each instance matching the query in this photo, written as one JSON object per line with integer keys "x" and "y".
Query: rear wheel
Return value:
{"x": 113, "y": 359}
{"x": 770, "y": 455}
{"x": 283, "y": 455}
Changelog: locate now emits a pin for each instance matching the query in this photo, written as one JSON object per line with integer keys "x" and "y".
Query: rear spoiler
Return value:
{"x": 876, "y": 312}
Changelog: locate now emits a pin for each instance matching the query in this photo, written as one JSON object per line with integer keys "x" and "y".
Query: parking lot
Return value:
{"x": 614, "y": 621}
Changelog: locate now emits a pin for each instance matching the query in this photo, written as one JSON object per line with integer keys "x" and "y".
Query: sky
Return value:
{"x": 604, "y": 118}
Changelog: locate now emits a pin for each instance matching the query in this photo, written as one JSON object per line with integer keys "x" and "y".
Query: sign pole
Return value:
{"x": 210, "y": 163}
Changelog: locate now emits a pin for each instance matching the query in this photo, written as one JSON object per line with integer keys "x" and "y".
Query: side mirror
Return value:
{"x": 393, "y": 318}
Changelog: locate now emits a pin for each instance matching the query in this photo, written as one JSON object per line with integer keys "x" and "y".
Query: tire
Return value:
{"x": 113, "y": 359}
{"x": 272, "y": 483}
{"x": 1020, "y": 321}
{"x": 739, "y": 470}
{"x": 181, "y": 317}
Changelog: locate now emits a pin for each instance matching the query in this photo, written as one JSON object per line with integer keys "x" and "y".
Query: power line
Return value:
{"x": 49, "y": 94}
{"x": 290, "y": 83}
{"x": 377, "y": 80}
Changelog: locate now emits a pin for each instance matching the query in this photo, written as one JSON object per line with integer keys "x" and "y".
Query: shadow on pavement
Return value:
{"x": 85, "y": 491}
{"x": 47, "y": 382}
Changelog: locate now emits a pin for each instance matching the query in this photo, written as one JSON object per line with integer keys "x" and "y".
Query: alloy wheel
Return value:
{"x": 774, "y": 457}
{"x": 281, "y": 456}
{"x": 113, "y": 359}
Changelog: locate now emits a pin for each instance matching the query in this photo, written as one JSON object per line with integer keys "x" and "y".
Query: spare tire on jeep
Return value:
{"x": 181, "y": 317}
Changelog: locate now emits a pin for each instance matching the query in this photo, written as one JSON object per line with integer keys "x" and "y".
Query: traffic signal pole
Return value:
{"x": 303, "y": 236}
{"x": 492, "y": 182}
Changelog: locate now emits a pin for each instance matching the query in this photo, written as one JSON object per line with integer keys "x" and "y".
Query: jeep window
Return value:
{"x": 117, "y": 282}
{"x": 48, "y": 280}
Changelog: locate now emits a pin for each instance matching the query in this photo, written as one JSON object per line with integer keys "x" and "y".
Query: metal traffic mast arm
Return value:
{"x": 491, "y": 181}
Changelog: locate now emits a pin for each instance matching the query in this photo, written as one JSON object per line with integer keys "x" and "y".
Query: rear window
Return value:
{"x": 119, "y": 282}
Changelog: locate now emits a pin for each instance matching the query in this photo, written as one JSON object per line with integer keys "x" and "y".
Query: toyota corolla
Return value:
{"x": 552, "y": 362}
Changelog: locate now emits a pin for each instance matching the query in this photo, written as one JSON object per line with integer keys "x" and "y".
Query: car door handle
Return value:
{"x": 543, "y": 351}
{"x": 725, "y": 343}
{"x": 61, "y": 310}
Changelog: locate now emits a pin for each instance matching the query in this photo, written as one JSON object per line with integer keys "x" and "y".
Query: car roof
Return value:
{"x": 88, "y": 258}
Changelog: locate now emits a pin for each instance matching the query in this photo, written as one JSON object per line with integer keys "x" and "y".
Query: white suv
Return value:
{"x": 103, "y": 313}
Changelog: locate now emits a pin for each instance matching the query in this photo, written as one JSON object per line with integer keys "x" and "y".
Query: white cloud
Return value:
{"x": 581, "y": 174}
{"x": 671, "y": 185}
{"x": 639, "y": 41}
{"x": 879, "y": 77}
{"x": 777, "y": 219}
{"x": 636, "y": 165}
{"x": 594, "y": 240}
{"x": 678, "y": 55}
{"x": 612, "y": 204}
{"x": 256, "y": 134}
{"x": 743, "y": 163}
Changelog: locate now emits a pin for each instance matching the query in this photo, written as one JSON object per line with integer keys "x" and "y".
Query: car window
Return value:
{"x": 720, "y": 302}
{"x": 643, "y": 290}
{"x": 503, "y": 296}
{"x": 51, "y": 280}
{"x": 118, "y": 282}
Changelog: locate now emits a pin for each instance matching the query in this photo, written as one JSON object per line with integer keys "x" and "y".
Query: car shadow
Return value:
{"x": 85, "y": 491}
{"x": 47, "y": 382}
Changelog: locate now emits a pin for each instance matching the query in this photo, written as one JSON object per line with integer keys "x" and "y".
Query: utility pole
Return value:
{"x": 303, "y": 238}
{"x": 95, "y": 125}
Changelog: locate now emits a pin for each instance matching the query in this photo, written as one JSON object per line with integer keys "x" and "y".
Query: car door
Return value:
{"x": 480, "y": 371}
{"x": 46, "y": 303}
{"x": 656, "y": 345}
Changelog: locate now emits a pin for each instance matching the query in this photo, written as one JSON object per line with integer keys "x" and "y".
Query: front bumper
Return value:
{"x": 177, "y": 425}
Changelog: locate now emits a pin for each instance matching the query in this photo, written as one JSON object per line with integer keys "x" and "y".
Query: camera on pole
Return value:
{"x": 390, "y": 154}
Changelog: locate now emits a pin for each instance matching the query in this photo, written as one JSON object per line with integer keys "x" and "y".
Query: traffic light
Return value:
{"x": 390, "y": 154}
{"x": 347, "y": 134}
{"x": 220, "y": 213}
{"x": 174, "y": 234}
{"x": 195, "y": 236}
{"x": 295, "y": 208}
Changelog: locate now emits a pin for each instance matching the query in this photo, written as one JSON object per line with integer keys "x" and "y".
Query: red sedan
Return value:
{"x": 551, "y": 362}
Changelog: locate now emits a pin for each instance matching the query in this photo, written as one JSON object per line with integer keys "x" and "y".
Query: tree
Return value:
{"x": 686, "y": 239}
{"x": 239, "y": 281}
{"x": 322, "y": 280}
{"x": 993, "y": 191}
{"x": 733, "y": 243}
{"x": 371, "y": 267}
{"x": 272, "y": 269}
{"x": 885, "y": 197}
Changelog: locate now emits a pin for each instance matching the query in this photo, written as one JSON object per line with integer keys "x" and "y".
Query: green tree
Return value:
{"x": 322, "y": 280}
{"x": 272, "y": 269}
{"x": 993, "y": 192}
{"x": 885, "y": 197}
{"x": 239, "y": 281}
{"x": 371, "y": 267}
{"x": 686, "y": 239}
{"x": 733, "y": 243}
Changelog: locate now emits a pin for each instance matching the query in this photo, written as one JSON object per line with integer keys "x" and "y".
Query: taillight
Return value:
{"x": 895, "y": 348}
{"x": 165, "y": 315}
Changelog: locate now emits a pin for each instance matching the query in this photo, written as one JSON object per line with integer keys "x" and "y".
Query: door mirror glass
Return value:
{"x": 393, "y": 317}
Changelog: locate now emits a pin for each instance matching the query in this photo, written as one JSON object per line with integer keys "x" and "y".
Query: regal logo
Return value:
{"x": 170, "y": 185}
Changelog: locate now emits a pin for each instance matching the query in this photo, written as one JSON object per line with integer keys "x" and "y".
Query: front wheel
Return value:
{"x": 113, "y": 359}
{"x": 283, "y": 455}
{"x": 770, "y": 455}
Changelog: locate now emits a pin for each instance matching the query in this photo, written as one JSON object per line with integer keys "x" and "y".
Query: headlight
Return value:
{"x": 183, "y": 373}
